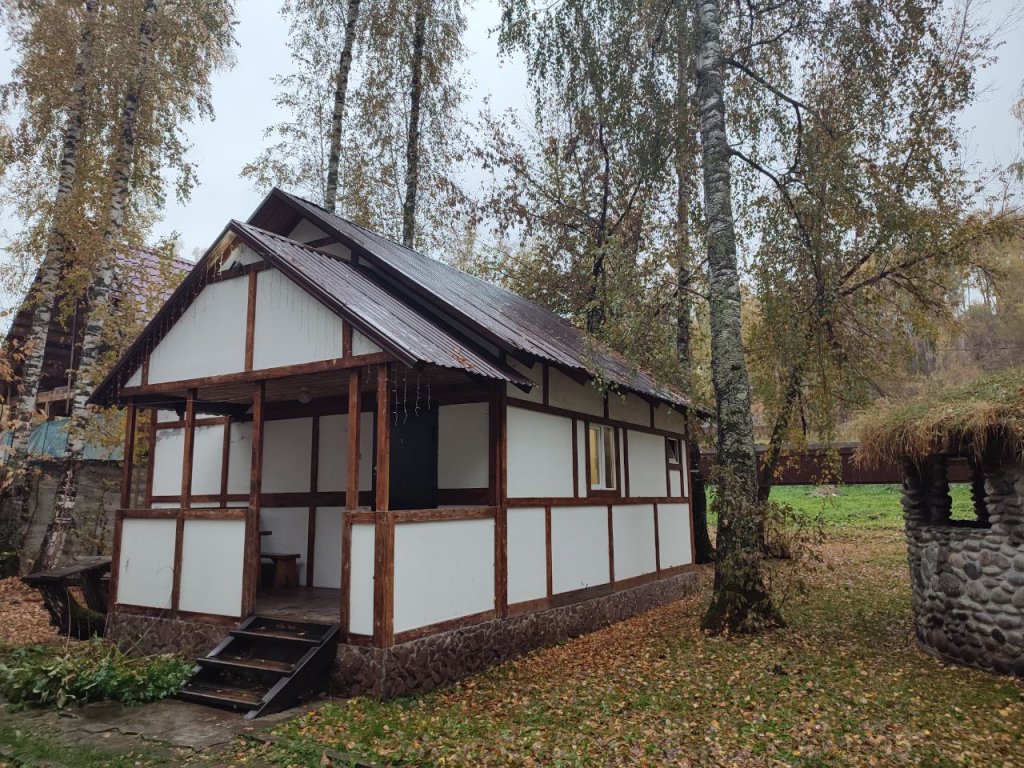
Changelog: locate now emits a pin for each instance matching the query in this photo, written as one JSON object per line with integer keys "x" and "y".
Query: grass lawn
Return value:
{"x": 844, "y": 684}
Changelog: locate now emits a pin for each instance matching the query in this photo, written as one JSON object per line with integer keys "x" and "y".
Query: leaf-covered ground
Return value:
{"x": 844, "y": 684}
{"x": 23, "y": 618}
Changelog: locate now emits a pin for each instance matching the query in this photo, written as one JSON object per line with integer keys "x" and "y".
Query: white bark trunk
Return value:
{"x": 93, "y": 340}
{"x": 740, "y": 602}
{"x": 340, "y": 96}
{"x": 412, "y": 150}
{"x": 45, "y": 289}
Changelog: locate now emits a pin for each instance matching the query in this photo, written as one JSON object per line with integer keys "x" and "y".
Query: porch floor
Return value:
{"x": 315, "y": 604}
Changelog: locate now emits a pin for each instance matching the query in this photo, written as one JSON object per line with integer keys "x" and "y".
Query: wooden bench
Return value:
{"x": 71, "y": 618}
{"x": 286, "y": 569}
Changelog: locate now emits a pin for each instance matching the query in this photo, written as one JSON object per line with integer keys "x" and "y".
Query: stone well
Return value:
{"x": 967, "y": 576}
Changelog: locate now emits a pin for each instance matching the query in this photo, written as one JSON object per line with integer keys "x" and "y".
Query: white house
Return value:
{"x": 426, "y": 452}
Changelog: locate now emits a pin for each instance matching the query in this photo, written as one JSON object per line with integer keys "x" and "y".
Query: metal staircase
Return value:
{"x": 264, "y": 665}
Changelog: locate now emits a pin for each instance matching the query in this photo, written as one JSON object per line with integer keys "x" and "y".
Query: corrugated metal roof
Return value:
{"x": 511, "y": 321}
{"x": 353, "y": 291}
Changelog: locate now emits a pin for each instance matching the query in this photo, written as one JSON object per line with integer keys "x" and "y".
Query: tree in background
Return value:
{"x": 863, "y": 209}
{"x": 154, "y": 86}
{"x": 144, "y": 76}
{"x": 37, "y": 80}
{"x": 402, "y": 141}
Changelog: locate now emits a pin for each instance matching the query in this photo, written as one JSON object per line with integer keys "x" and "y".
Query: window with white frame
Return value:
{"x": 603, "y": 459}
{"x": 675, "y": 450}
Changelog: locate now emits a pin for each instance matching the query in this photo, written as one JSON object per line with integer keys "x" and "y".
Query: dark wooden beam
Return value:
{"x": 128, "y": 462}
{"x": 252, "y": 519}
{"x": 384, "y": 529}
{"x": 186, "y": 495}
{"x": 250, "y": 321}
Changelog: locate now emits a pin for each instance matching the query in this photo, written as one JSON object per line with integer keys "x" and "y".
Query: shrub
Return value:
{"x": 91, "y": 671}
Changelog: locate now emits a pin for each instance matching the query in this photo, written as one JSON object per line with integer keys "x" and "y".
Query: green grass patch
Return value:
{"x": 844, "y": 684}
{"x": 856, "y": 506}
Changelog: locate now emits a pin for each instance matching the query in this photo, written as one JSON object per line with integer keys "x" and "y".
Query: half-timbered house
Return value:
{"x": 409, "y": 452}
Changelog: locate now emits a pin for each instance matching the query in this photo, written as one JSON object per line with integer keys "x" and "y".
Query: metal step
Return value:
{"x": 235, "y": 674}
{"x": 274, "y": 635}
{"x": 259, "y": 666}
{"x": 219, "y": 695}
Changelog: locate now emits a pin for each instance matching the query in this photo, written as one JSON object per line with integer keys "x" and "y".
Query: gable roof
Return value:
{"x": 352, "y": 293}
{"x": 419, "y": 309}
{"x": 346, "y": 289}
{"x": 514, "y": 324}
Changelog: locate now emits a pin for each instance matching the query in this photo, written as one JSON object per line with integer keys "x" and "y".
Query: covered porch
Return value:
{"x": 314, "y": 462}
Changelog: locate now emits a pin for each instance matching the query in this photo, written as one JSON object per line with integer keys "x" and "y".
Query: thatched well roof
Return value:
{"x": 962, "y": 420}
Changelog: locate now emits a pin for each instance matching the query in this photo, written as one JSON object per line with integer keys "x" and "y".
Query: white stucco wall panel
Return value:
{"x": 443, "y": 570}
{"x": 462, "y": 444}
{"x": 647, "y": 465}
{"x": 327, "y": 546}
{"x": 168, "y": 455}
{"x": 291, "y": 326}
{"x": 674, "y": 534}
{"x": 579, "y": 547}
{"x": 306, "y": 232}
{"x": 563, "y": 392}
{"x": 675, "y": 483}
{"x": 208, "y": 339}
{"x": 629, "y": 407}
{"x": 361, "y": 345}
{"x": 287, "y": 454}
{"x": 669, "y": 419}
{"x": 240, "y": 458}
{"x": 633, "y": 527}
{"x": 146, "y": 563}
{"x": 332, "y": 470}
{"x": 534, "y": 373}
{"x": 207, "y": 456}
{"x": 581, "y": 459}
{"x": 361, "y": 595}
{"x": 539, "y": 454}
{"x": 527, "y": 555}
{"x": 212, "y": 565}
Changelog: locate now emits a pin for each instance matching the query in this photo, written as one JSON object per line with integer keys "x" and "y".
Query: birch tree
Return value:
{"x": 307, "y": 153}
{"x": 740, "y": 601}
{"x": 24, "y": 28}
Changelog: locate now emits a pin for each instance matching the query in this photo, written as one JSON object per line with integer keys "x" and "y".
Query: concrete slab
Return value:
{"x": 173, "y": 722}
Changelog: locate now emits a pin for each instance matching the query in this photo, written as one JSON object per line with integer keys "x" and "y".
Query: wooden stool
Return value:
{"x": 286, "y": 569}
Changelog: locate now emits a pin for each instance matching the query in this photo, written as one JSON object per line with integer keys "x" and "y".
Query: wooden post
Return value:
{"x": 128, "y": 463}
{"x": 351, "y": 493}
{"x": 499, "y": 496}
{"x": 252, "y": 519}
{"x": 186, "y": 493}
{"x": 384, "y": 531}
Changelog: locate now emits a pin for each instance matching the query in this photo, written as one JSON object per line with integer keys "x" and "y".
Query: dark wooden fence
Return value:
{"x": 817, "y": 464}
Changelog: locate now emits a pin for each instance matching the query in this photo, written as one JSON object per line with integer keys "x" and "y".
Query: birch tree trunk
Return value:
{"x": 685, "y": 151}
{"x": 412, "y": 149}
{"x": 740, "y": 602}
{"x": 45, "y": 289}
{"x": 340, "y": 95}
{"x": 93, "y": 342}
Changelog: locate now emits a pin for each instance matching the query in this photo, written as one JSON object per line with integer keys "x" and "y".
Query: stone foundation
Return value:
{"x": 146, "y": 635}
{"x": 421, "y": 665}
{"x": 967, "y": 580}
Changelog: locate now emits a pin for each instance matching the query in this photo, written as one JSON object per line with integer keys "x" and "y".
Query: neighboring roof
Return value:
{"x": 513, "y": 323}
{"x": 49, "y": 440}
{"x": 961, "y": 420}
{"x": 138, "y": 271}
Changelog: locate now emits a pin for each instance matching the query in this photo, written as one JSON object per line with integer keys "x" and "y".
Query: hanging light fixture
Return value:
{"x": 304, "y": 396}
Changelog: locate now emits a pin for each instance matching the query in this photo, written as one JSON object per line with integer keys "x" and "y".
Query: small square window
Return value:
{"x": 602, "y": 457}
{"x": 675, "y": 450}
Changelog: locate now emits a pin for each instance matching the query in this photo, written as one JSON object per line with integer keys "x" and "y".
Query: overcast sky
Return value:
{"x": 243, "y": 99}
